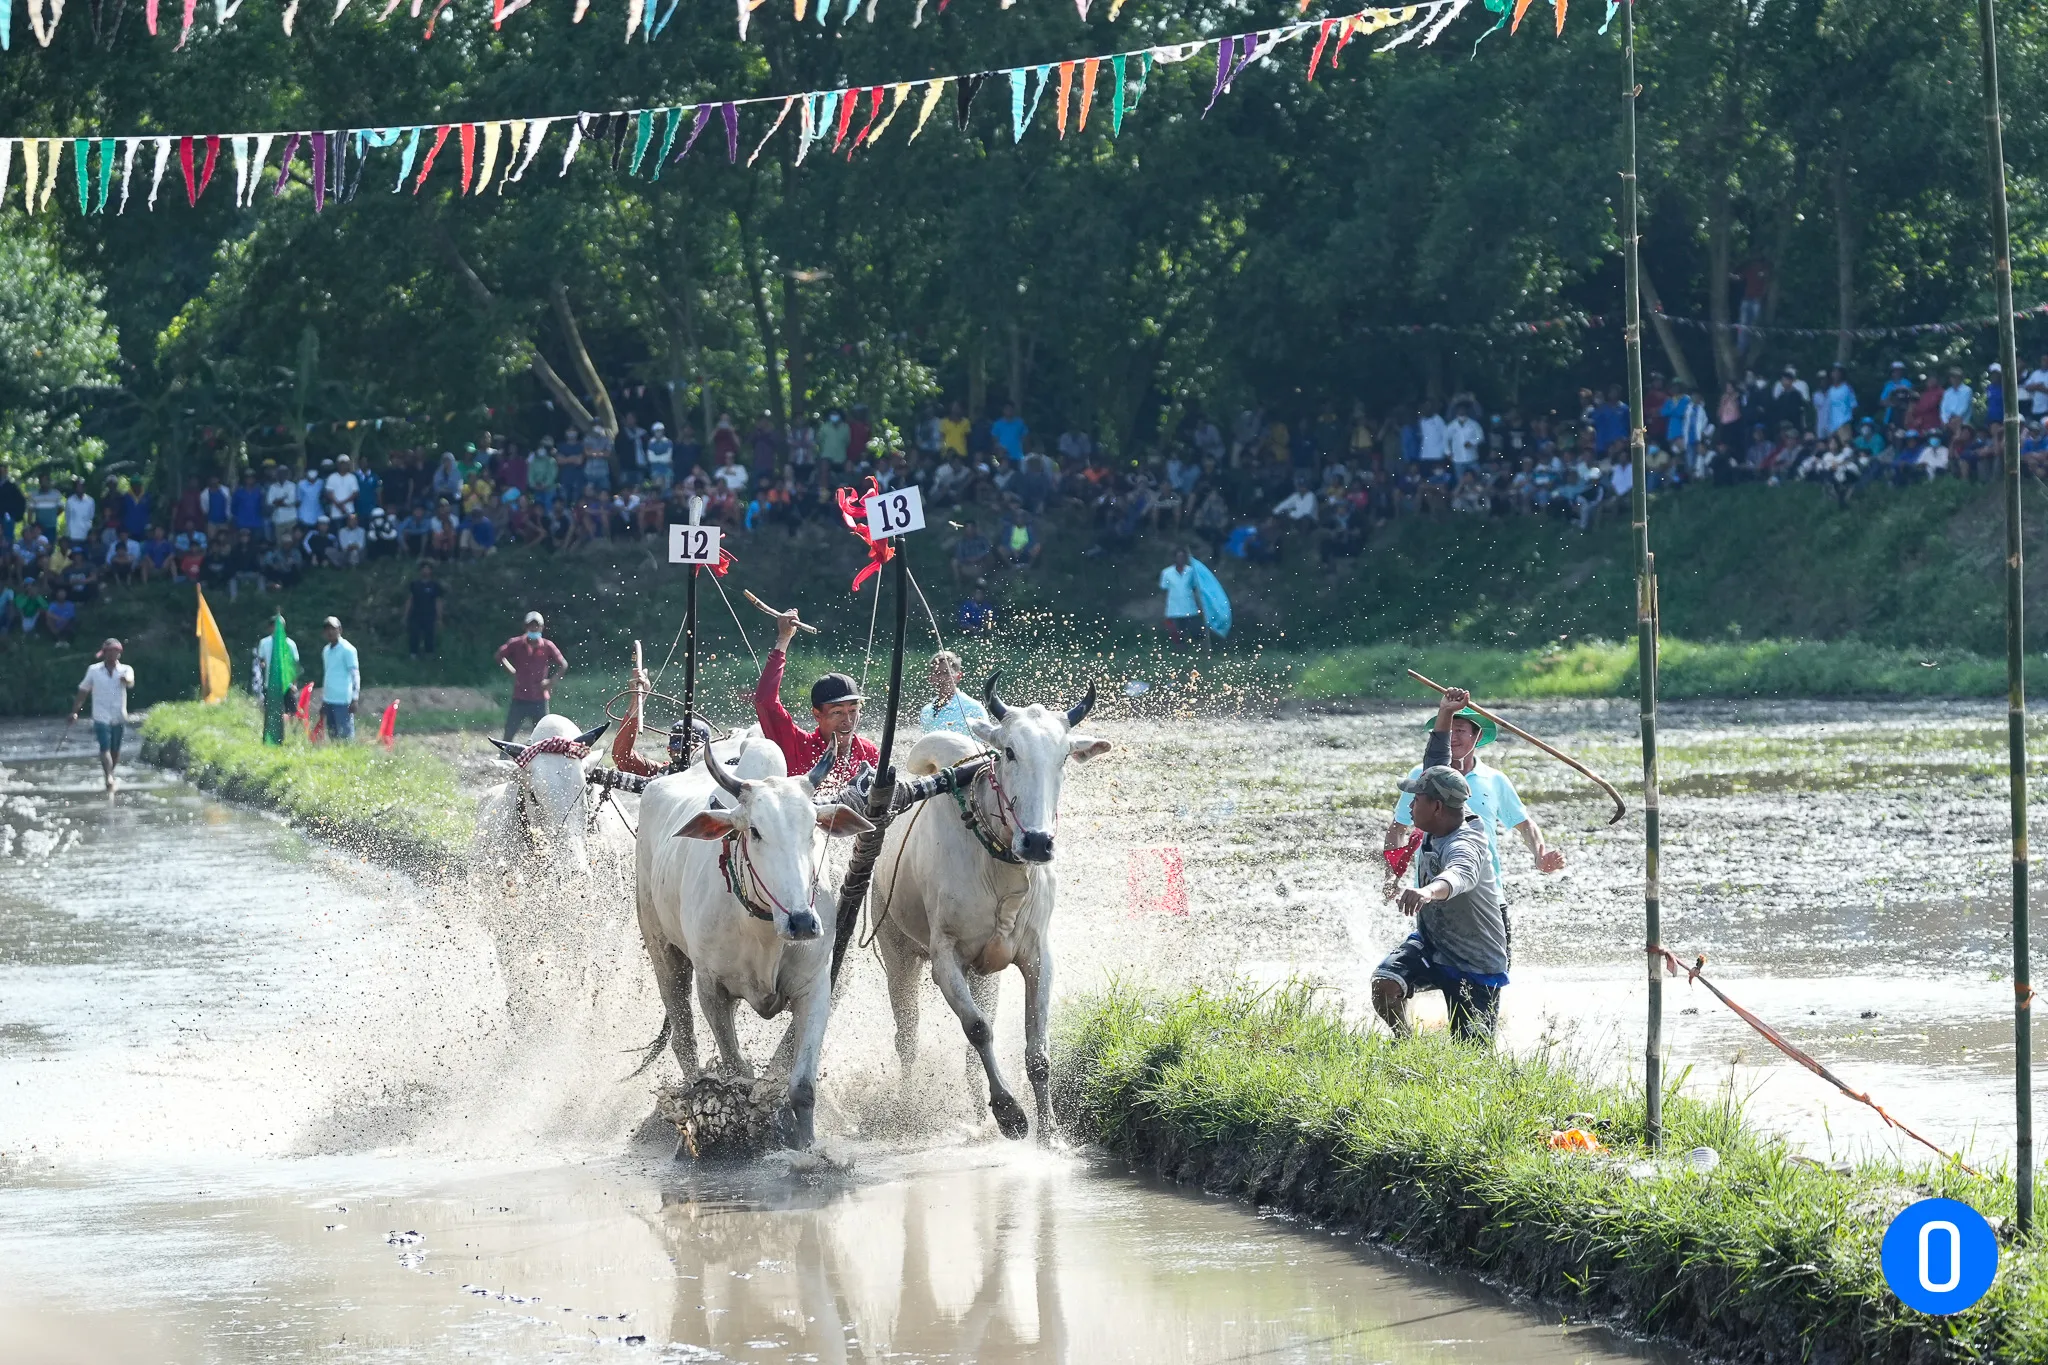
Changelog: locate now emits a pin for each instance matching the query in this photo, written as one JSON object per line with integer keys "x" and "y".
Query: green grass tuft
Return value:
{"x": 398, "y": 803}
{"x": 1441, "y": 1149}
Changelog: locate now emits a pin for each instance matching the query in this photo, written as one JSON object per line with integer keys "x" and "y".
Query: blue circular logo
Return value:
{"x": 1939, "y": 1256}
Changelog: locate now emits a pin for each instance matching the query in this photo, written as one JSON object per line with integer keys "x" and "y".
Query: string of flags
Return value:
{"x": 490, "y": 155}
{"x": 1591, "y": 321}
{"x": 645, "y": 19}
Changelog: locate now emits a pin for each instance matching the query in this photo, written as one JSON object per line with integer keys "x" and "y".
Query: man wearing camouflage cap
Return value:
{"x": 1460, "y": 943}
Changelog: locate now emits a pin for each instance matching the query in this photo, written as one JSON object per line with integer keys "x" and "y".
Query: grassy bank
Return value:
{"x": 1866, "y": 594}
{"x": 1441, "y": 1151}
{"x": 396, "y": 804}
{"x": 1686, "y": 669}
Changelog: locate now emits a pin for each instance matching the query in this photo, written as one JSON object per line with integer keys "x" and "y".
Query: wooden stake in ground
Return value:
{"x": 2015, "y": 634}
{"x": 1560, "y": 755}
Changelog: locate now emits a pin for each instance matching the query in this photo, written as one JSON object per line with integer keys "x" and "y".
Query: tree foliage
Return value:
{"x": 1271, "y": 251}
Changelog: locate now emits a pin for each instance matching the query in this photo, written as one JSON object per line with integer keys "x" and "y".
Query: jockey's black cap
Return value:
{"x": 834, "y": 687}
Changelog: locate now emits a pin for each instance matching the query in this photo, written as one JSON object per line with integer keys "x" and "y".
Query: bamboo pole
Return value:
{"x": 860, "y": 868}
{"x": 1646, "y": 599}
{"x": 2015, "y": 633}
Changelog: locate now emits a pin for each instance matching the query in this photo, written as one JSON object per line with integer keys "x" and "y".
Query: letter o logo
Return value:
{"x": 1939, "y": 1256}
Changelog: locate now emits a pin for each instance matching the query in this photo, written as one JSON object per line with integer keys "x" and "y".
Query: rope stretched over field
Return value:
{"x": 1778, "y": 1041}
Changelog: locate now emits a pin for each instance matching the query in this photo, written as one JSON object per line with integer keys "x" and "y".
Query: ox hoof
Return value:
{"x": 1009, "y": 1117}
{"x": 792, "y": 1130}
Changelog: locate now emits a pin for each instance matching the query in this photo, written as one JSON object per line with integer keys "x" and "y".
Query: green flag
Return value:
{"x": 277, "y": 683}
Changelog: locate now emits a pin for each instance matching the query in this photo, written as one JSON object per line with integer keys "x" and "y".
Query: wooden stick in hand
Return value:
{"x": 800, "y": 625}
{"x": 1620, "y": 809}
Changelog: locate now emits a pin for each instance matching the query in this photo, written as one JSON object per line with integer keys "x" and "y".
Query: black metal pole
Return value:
{"x": 2015, "y": 633}
{"x": 689, "y": 668}
{"x": 860, "y": 868}
{"x": 1646, "y": 603}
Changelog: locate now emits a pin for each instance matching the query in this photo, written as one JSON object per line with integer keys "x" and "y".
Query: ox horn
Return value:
{"x": 822, "y": 770}
{"x": 996, "y": 709}
{"x": 590, "y": 737}
{"x": 725, "y": 780}
{"x": 515, "y": 752}
{"x": 1080, "y": 712}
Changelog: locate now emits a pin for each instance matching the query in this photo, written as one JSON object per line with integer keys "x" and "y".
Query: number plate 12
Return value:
{"x": 896, "y": 512}
{"x": 693, "y": 544}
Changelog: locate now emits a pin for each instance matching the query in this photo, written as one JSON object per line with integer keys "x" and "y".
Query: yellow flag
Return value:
{"x": 213, "y": 656}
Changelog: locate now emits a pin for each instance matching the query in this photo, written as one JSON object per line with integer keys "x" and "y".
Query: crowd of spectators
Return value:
{"x": 1262, "y": 487}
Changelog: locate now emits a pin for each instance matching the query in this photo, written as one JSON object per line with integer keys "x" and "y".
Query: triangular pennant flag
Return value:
{"x": 1089, "y": 70}
{"x": 127, "y": 171}
{"x": 7, "y": 22}
{"x": 696, "y": 128}
{"x": 31, "y": 173}
{"x": 1037, "y": 94}
{"x": 6, "y": 165}
{"x": 156, "y": 177}
{"x": 263, "y": 141}
{"x": 317, "y": 152}
{"x": 1225, "y": 58}
{"x": 671, "y": 117}
{"x": 634, "y": 10}
{"x": 788, "y": 102}
{"x": 1315, "y": 58}
{"x": 874, "y": 113}
{"x": 1135, "y": 89}
{"x": 184, "y": 33}
{"x": 53, "y": 152}
{"x": 847, "y": 100}
{"x": 1018, "y": 78}
{"x": 45, "y": 32}
{"x": 799, "y": 11}
{"x": 643, "y": 134}
{"x": 1116, "y": 100}
{"x": 970, "y": 86}
{"x": 212, "y": 157}
{"x": 493, "y": 133}
{"x": 284, "y": 164}
{"x": 468, "y": 131}
{"x": 81, "y": 150}
{"x": 731, "y": 111}
{"x": 575, "y": 144}
{"x": 412, "y": 148}
{"x": 185, "y": 165}
{"x": 536, "y": 133}
{"x": 932, "y": 91}
{"x": 515, "y": 133}
{"x": 1515, "y": 24}
{"x": 427, "y": 167}
{"x": 902, "y": 96}
{"x": 1559, "y": 6}
{"x": 1066, "y": 88}
{"x": 240, "y": 146}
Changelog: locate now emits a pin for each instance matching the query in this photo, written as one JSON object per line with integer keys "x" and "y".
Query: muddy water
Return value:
{"x": 264, "y": 1101}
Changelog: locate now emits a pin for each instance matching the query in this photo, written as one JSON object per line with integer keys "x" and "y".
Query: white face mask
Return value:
{"x": 533, "y": 636}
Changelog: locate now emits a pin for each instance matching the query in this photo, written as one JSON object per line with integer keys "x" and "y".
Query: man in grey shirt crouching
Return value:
{"x": 1460, "y": 943}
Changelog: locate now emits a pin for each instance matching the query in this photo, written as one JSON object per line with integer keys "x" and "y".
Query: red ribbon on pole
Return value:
{"x": 855, "y": 515}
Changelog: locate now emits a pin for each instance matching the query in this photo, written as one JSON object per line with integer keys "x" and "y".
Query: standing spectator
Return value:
{"x": 246, "y": 505}
{"x": 543, "y": 477}
{"x": 46, "y": 506}
{"x": 1994, "y": 398}
{"x": 950, "y": 708}
{"x": 214, "y": 501}
{"x": 1432, "y": 436}
{"x": 536, "y": 666}
{"x": 661, "y": 458}
{"x": 339, "y": 493}
{"x": 1009, "y": 432}
{"x": 2035, "y": 390}
{"x": 1464, "y": 436}
{"x": 954, "y": 426}
{"x": 835, "y": 438}
{"x": 1956, "y": 399}
{"x": 597, "y": 462}
{"x": 725, "y": 438}
{"x": 1897, "y": 395}
{"x": 975, "y": 616}
{"x": 447, "y": 481}
{"x": 423, "y": 602}
{"x": 1834, "y": 406}
{"x": 860, "y": 432}
{"x": 281, "y": 502}
{"x": 78, "y": 516}
{"x": 689, "y": 450}
{"x": 763, "y": 443}
{"x": 259, "y": 667}
{"x": 1183, "y": 612}
{"x": 1790, "y": 399}
{"x": 629, "y": 451}
{"x": 312, "y": 496}
{"x": 512, "y": 469}
{"x": 341, "y": 682}
{"x": 13, "y": 505}
{"x": 106, "y": 685}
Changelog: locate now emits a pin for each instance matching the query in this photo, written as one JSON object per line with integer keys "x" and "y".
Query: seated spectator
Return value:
{"x": 282, "y": 564}
{"x": 61, "y": 616}
{"x": 381, "y": 536}
{"x": 351, "y": 542}
{"x": 975, "y": 616}
{"x": 2034, "y": 448}
{"x": 156, "y": 555}
{"x": 479, "y": 535}
{"x": 416, "y": 533}
{"x": 29, "y": 607}
{"x": 444, "y": 530}
{"x": 124, "y": 561}
{"x": 972, "y": 554}
{"x": 245, "y": 565}
{"x": 1212, "y": 520}
{"x": 1017, "y": 543}
{"x": 319, "y": 543}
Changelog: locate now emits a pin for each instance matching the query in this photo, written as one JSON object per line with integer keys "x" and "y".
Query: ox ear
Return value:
{"x": 837, "y": 820}
{"x": 707, "y": 824}
{"x": 988, "y": 732}
{"x": 1081, "y": 748}
{"x": 509, "y": 749}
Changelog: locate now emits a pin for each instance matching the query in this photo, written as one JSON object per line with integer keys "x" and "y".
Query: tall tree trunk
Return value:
{"x": 1845, "y": 256}
{"x": 1016, "y": 385}
{"x": 488, "y": 301}
{"x": 579, "y": 355}
{"x": 1781, "y": 247}
{"x": 1720, "y": 228}
{"x": 977, "y": 375}
{"x": 1681, "y": 372}
{"x": 757, "y": 290}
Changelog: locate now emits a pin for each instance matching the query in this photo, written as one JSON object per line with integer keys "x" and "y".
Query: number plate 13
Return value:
{"x": 893, "y": 513}
{"x": 693, "y": 544}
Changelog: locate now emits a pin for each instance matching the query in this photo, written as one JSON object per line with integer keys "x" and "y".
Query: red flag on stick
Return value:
{"x": 387, "y": 728}
{"x": 853, "y": 511}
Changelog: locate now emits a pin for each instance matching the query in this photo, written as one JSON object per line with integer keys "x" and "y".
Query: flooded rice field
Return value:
{"x": 267, "y": 1101}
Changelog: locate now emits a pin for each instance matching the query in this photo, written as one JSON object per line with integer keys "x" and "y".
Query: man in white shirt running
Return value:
{"x": 341, "y": 682}
{"x": 952, "y": 708}
{"x": 106, "y": 686}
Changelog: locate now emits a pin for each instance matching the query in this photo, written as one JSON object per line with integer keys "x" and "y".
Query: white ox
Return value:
{"x": 973, "y": 896}
{"x": 727, "y": 886}
{"x": 545, "y": 807}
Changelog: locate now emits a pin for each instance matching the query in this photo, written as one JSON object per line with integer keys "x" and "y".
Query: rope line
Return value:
{"x": 736, "y": 622}
{"x": 1778, "y": 1041}
{"x": 930, "y": 615}
{"x": 873, "y": 612}
{"x": 672, "y": 646}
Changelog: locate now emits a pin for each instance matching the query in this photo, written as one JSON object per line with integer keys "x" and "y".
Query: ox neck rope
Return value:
{"x": 738, "y": 870}
{"x": 970, "y": 811}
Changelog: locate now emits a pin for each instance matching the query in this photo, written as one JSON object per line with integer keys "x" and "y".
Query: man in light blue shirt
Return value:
{"x": 341, "y": 682}
{"x": 1493, "y": 798}
{"x": 953, "y": 708}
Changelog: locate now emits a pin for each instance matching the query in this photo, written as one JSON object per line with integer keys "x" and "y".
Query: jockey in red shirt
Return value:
{"x": 835, "y": 706}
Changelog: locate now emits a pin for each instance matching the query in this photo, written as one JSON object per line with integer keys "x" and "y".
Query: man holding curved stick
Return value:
{"x": 835, "y": 707}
